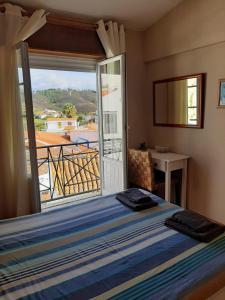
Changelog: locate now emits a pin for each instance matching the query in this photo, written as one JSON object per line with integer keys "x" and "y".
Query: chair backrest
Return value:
{"x": 140, "y": 170}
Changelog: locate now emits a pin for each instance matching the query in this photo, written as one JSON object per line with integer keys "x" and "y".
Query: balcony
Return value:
{"x": 68, "y": 170}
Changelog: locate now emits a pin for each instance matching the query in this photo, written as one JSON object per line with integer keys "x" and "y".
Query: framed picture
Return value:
{"x": 221, "y": 93}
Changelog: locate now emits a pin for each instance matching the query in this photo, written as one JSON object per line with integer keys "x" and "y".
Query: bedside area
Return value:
{"x": 168, "y": 162}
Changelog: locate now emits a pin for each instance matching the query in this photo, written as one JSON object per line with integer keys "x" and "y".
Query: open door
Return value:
{"x": 112, "y": 123}
{"x": 26, "y": 111}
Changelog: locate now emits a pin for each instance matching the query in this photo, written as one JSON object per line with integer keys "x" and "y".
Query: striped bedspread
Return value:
{"x": 102, "y": 250}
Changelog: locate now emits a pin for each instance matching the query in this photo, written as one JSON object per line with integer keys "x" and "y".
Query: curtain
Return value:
{"x": 177, "y": 102}
{"x": 15, "y": 185}
{"x": 112, "y": 38}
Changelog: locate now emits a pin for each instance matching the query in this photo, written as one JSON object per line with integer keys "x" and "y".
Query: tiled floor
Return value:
{"x": 70, "y": 200}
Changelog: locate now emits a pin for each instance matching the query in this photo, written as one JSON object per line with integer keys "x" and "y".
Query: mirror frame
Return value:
{"x": 201, "y": 94}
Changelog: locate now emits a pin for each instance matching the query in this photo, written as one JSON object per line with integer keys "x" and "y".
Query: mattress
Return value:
{"x": 101, "y": 249}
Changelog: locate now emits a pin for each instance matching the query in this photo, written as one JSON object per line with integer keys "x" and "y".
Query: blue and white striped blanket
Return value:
{"x": 102, "y": 250}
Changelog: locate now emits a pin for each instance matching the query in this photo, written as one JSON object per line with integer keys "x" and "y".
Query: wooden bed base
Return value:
{"x": 212, "y": 286}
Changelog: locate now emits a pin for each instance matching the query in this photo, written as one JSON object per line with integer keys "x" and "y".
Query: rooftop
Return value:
{"x": 47, "y": 138}
{"x": 61, "y": 119}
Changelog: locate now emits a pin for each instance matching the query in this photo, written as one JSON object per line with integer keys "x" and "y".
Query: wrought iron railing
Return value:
{"x": 68, "y": 169}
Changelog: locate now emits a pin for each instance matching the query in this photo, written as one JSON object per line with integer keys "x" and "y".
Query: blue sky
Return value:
{"x": 47, "y": 79}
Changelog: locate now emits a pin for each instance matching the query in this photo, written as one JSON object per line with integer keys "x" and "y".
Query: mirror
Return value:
{"x": 178, "y": 102}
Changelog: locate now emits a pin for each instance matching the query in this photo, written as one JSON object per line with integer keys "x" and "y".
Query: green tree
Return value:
{"x": 69, "y": 110}
{"x": 39, "y": 124}
{"x": 80, "y": 118}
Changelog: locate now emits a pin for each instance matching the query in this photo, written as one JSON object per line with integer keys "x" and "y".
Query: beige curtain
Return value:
{"x": 15, "y": 195}
{"x": 177, "y": 102}
{"x": 112, "y": 38}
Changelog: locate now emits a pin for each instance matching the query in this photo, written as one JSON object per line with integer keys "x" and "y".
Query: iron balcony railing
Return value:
{"x": 73, "y": 169}
{"x": 68, "y": 169}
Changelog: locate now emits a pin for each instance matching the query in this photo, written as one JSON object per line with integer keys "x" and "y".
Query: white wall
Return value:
{"x": 192, "y": 24}
{"x": 170, "y": 51}
{"x": 137, "y": 117}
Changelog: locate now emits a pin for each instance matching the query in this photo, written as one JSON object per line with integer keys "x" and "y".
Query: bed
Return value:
{"x": 101, "y": 249}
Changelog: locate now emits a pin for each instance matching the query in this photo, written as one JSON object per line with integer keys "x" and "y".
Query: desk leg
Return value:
{"x": 168, "y": 185}
{"x": 184, "y": 186}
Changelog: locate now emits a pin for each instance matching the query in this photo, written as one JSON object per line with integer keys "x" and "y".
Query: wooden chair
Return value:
{"x": 141, "y": 172}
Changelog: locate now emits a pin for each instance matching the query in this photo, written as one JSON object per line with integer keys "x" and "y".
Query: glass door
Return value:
{"x": 25, "y": 109}
{"x": 112, "y": 113}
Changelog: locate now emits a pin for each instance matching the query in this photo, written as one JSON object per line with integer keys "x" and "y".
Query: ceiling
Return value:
{"x": 134, "y": 14}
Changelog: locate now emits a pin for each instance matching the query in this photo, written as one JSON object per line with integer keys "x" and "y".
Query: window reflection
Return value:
{"x": 177, "y": 101}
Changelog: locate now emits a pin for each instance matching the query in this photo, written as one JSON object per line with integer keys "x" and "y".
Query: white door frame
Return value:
{"x": 122, "y": 59}
{"x": 23, "y": 47}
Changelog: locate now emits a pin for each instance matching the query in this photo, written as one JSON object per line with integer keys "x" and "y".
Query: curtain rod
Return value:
{"x": 71, "y": 22}
{"x": 63, "y": 20}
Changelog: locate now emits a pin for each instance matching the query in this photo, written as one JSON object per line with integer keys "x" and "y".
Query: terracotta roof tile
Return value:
{"x": 62, "y": 119}
{"x": 48, "y": 138}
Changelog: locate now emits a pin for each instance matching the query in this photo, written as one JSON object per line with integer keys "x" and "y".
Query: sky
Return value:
{"x": 50, "y": 79}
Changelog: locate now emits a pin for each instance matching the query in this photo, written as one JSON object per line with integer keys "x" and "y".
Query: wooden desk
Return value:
{"x": 168, "y": 162}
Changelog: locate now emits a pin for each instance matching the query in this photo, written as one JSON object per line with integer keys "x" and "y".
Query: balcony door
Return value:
{"x": 26, "y": 112}
{"x": 112, "y": 113}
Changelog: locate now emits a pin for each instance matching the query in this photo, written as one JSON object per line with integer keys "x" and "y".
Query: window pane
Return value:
{"x": 65, "y": 105}
{"x": 24, "y": 117}
{"x": 110, "y": 122}
{"x": 192, "y": 81}
{"x": 112, "y": 110}
{"x": 192, "y": 116}
{"x": 192, "y": 96}
{"x": 19, "y": 66}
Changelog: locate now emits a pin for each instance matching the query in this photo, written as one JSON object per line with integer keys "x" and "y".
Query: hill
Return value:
{"x": 55, "y": 99}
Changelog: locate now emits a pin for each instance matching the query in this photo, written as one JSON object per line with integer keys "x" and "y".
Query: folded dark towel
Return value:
{"x": 195, "y": 225}
{"x": 135, "y": 195}
{"x": 136, "y": 203}
{"x": 193, "y": 220}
